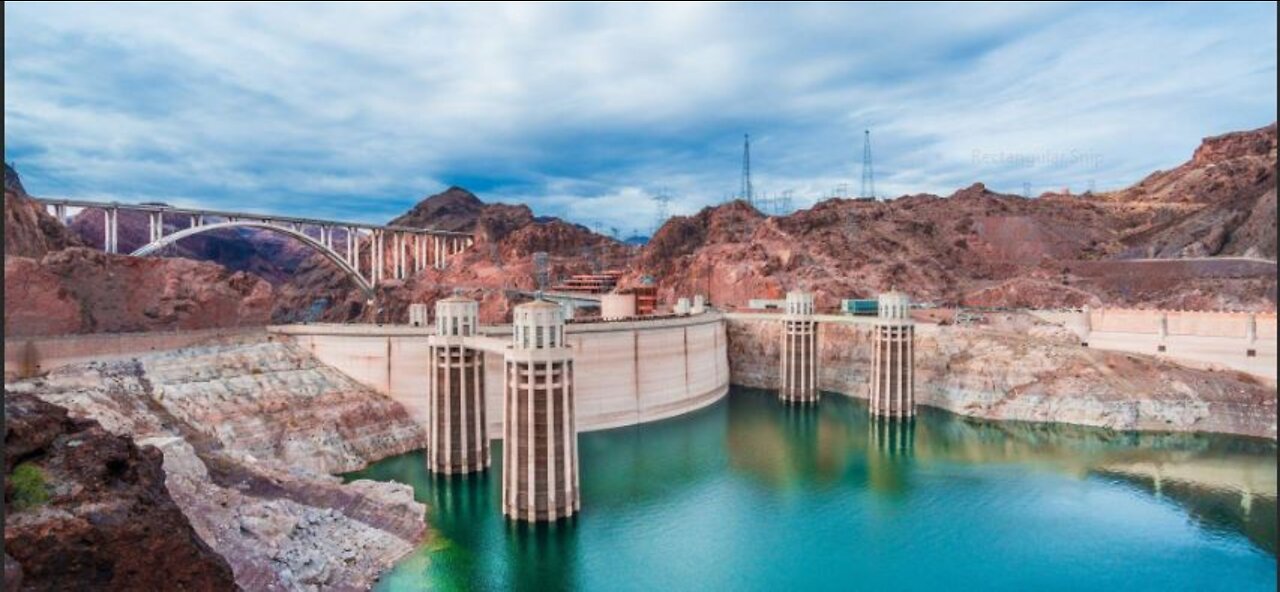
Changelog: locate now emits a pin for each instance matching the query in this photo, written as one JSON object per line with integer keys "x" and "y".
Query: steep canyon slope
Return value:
{"x": 250, "y": 431}
{"x": 981, "y": 248}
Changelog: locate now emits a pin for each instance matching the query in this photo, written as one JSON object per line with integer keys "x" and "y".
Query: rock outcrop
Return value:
{"x": 1026, "y": 370}
{"x": 249, "y": 434}
{"x": 454, "y": 209}
{"x": 981, "y": 248}
{"x": 79, "y": 290}
{"x": 29, "y": 231}
{"x": 1221, "y": 202}
{"x": 108, "y": 522}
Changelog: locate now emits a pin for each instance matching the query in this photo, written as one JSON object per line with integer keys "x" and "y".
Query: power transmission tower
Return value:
{"x": 746, "y": 170}
{"x": 540, "y": 271}
{"x": 1026, "y": 189}
{"x": 868, "y": 175}
{"x": 663, "y": 199}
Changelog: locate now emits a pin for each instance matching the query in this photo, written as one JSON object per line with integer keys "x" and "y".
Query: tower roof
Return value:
{"x": 537, "y": 304}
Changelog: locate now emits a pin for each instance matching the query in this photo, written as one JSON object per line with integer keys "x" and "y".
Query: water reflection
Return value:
{"x": 1225, "y": 483}
{"x": 682, "y": 501}
{"x": 542, "y": 556}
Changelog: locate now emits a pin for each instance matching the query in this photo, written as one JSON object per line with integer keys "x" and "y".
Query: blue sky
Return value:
{"x": 584, "y": 111}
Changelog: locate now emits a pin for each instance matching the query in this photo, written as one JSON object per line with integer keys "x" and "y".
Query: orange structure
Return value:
{"x": 590, "y": 283}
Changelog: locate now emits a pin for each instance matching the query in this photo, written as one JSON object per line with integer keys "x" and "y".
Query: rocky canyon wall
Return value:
{"x": 79, "y": 290}
{"x": 97, "y": 515}
{"x": 250, "y": 433}
{"x": 1028, "y": 371}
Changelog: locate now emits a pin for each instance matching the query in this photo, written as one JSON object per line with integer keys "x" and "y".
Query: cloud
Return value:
{"x": 356, "y": 111}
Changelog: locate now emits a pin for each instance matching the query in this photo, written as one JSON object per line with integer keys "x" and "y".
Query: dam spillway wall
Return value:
{"x": 1243, "y": 341}
{"x": 625, "y": 373}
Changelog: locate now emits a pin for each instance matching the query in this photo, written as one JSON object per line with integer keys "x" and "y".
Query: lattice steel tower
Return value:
{"x": 663, "y": 201}
{"x": 868, "y": 175}
{"x": 746, "y": 170}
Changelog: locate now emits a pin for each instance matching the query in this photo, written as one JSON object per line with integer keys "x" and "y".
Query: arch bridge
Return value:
{"x": 411, "y": 249}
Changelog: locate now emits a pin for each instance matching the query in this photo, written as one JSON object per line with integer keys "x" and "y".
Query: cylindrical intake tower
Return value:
{"x": 893, "y": 361}
{"x": 799, "y": 350}
{"x": 540, "y": 439}
{"x": 456, "y": 438}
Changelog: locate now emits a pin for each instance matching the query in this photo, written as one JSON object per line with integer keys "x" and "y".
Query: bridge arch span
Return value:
{"x": 330, "y": 254}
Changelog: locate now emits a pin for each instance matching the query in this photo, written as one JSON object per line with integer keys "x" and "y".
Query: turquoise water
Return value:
{"x": 752, "y": 495}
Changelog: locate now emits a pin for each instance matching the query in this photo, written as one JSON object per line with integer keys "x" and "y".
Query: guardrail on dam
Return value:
{"x": 626, "y": 372}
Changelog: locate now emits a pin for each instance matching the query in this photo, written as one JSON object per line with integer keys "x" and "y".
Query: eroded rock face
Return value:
{"x": 454, "y": 209}
{"x": 1025, "y": 370}
{"x": 981, "y": 248}
{"x": 249, "y": 433}
{"x": 29, "y": 231}
{"x": 1221, "y": 202}
{"x": 79, "y": 290}
{"x": 109, "y": 522}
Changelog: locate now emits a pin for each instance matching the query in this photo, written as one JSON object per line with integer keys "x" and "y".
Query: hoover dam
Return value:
{"x": 631, "y": 296}
{"x": 626, "y": 372}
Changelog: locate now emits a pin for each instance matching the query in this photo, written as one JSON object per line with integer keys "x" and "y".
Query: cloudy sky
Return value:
{"x": 358, "y": 111}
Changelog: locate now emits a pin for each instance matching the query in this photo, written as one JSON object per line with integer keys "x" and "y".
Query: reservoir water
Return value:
{"x": 750, "y": 494}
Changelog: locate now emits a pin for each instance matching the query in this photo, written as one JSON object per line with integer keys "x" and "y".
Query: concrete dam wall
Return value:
{"x": 1242, "y": 341}
{"x": 625, "y": 373}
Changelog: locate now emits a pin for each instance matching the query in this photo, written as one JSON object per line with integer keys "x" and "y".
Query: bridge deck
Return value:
{"x": 166, "y": 209}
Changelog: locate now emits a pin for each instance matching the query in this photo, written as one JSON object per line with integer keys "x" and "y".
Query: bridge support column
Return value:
{"x": 395, "y": 255}
{"x": 110, "y": 243}
{"x": 799, "y": 351}
{"x": 380, "y": 253}
{"x": 540, "y": 463}
{"x": 417, "y": 244}
{"x": 402, "y": 268}
{"x": 457, "y": 442}
{"x": 351, "y": 260}
{"x": 893, "y": 359}
{"x": 155, "y": 223}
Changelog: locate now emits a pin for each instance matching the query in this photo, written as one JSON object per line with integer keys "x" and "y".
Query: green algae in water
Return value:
{"x": 750, "y": 494}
